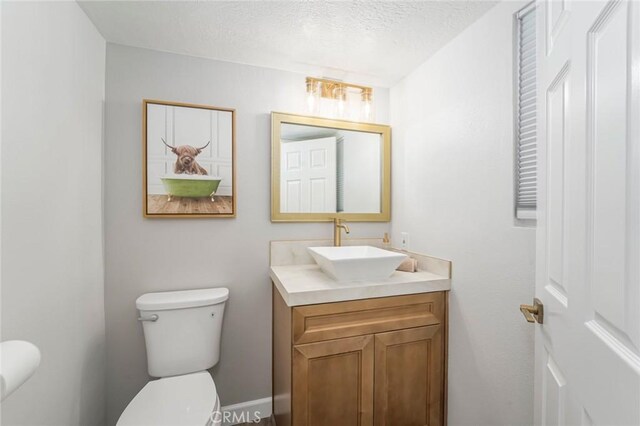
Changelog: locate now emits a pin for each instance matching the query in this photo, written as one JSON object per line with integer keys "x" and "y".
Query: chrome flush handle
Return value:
{"x": 152, "y": 318}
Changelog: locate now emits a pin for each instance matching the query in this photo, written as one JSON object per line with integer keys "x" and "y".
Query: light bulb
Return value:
{"x": 341, "y": 107}
{"x": 311, "y": 102}
{"x": 341, "y": 95}
{"x": 311, "y": 94}
{"x": 366, "y": 100}
{"x": 367, "y": 110}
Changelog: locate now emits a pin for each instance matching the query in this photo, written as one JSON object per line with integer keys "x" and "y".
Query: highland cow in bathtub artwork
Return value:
{"x": 189, "y": 165}
{"x": 186, "y": 162}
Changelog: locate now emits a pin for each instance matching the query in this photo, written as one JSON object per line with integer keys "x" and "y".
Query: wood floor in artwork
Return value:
{"x": 159, "y": 204}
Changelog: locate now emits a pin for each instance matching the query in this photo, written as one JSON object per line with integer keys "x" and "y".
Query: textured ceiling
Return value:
{"x": 368, "y": 42}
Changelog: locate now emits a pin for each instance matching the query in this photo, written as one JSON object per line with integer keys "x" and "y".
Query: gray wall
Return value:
{"x": 144, "y": 255}
{"x": 453, "y": 192}
{"x": 53, "y": 63}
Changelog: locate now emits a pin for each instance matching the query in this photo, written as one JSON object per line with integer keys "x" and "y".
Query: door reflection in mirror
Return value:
{"x": 329, "y": 170}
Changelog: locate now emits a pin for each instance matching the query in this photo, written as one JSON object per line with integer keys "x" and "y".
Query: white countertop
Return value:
{"x": 307, "y": 284}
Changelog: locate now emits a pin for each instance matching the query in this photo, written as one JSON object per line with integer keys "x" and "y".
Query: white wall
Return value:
{"x": 144, "y": 255}
{"x": 52, "y": 246}
{"x": 452, "y": 124}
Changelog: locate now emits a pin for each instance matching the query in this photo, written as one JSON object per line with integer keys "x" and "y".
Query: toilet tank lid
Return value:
{"x": 181, "y": 299}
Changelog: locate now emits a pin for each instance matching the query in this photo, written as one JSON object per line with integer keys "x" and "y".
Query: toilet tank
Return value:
{"x": 182, "y": 329}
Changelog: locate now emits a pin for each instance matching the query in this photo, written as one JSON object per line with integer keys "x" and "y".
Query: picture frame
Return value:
{"x": 188, "y": 160}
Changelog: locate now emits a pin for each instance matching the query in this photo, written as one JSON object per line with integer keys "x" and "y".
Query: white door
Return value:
{"x": 308, "y": 176}
{"x": 588, "y": 237}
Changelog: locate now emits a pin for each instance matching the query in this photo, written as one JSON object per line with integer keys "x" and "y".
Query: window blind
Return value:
{"x": 526, "y": 138}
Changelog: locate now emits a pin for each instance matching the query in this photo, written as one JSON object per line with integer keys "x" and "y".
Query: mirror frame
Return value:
{"x": 278, "y": 118}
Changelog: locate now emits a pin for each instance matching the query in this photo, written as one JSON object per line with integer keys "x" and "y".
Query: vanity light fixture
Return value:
{"x": 312, "y": 89}
{"x": 341, "y": 97}
{"x": 367, "y": 95}
{"x": 337, "y": 99}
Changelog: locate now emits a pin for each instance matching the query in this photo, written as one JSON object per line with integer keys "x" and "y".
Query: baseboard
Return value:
{"x": 246, "y": 412}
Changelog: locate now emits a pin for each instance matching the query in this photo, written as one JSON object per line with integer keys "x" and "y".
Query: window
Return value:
{"x": 526, "y": 140}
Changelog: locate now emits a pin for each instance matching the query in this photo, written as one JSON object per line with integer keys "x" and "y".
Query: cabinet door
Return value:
{"x": 333, "y": 383}
{"x": 409, "y": 377}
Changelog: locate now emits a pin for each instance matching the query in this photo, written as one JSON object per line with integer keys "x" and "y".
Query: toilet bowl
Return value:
{"x": 187, "y": 400}
{"x": 182, "y": 335}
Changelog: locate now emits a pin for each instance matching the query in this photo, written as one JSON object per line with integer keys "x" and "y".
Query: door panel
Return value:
{"x": 588, "y": 236}
{"x": 612, "y": 306}
{"x": 409, "y": 377}
{"x": 333, "y": 383}
{"x": 612, "y": 198}
{"x": 557, "y": 104}
{"x": 557, "y": 13}
{"x": 308, "y": 176}
{"x": 555, "y": 384}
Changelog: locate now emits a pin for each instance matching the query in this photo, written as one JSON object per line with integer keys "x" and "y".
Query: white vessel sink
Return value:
{"x": 354, "y": 263}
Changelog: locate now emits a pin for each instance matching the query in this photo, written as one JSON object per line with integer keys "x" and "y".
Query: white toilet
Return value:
{"x": 182, "y": 334}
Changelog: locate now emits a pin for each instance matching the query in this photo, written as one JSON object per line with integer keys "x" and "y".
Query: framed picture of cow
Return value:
{"x": 188, "y": 160}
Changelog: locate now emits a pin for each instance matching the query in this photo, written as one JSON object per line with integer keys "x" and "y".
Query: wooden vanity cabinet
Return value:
{"x": 365, "y": 362}
{"x": 333, "y": 382}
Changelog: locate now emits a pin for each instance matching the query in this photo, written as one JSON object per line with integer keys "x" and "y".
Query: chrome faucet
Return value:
{"x": 337, "y": 232}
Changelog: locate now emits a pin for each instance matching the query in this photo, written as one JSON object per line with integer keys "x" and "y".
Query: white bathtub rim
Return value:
{"x": 192, "y": 177}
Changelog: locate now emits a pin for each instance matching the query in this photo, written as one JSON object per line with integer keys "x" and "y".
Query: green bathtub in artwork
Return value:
{"x": 191, "y": 186}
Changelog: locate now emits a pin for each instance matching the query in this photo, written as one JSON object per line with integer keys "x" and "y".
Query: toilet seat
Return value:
{"x": 186, "y": 400}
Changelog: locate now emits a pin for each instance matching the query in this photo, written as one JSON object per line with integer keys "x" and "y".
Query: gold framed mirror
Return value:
{"x": 322, "y": 169}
